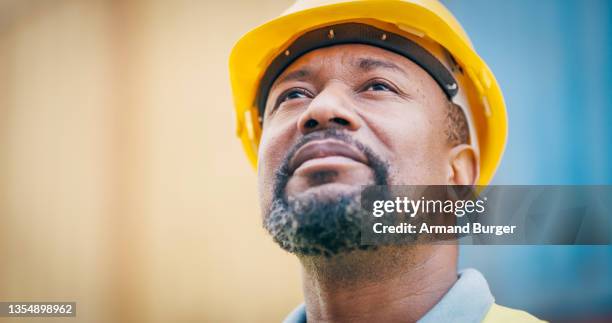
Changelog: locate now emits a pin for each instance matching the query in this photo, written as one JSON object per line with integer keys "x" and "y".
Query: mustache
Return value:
{"x": 376, "y": 163}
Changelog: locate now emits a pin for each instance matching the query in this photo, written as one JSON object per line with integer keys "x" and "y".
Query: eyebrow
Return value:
{"x": 368, "y": 64}
{"x": 294, "y": 75}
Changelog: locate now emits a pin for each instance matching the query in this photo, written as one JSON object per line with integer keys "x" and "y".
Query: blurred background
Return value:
{"x": 553, "y": 60}
{"x": 123, "y": 187}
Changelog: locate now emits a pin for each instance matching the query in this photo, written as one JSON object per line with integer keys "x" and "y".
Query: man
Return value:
{"x": 335, "y": 95}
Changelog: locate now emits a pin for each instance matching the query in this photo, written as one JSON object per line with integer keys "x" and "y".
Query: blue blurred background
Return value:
{"x": 553, "y": 62}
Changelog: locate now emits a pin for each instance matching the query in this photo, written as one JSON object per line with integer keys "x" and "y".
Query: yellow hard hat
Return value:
{"x": 425, "y": 22}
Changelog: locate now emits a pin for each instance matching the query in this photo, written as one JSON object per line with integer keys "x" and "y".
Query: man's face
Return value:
{"x": 341, "y": 117}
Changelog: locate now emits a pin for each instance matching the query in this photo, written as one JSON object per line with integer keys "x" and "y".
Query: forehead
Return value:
{"x": 353, "y": 58}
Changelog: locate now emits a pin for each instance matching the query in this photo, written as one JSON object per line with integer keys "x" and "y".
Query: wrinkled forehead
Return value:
{"x": 349, "y": 60}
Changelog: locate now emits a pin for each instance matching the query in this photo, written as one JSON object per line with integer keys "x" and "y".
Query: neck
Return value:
{"x": 390, "y": 284}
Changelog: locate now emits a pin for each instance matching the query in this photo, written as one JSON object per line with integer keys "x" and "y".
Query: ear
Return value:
{"x": 463, "y": 165}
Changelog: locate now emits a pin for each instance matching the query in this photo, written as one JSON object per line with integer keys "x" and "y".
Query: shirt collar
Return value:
{"x": 468, "y": 300}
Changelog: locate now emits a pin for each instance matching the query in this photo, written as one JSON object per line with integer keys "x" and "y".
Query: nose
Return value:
{"x": 331, "y": 108}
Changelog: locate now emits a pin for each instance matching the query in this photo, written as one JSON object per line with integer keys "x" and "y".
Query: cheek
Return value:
{"x": 415, "y": 144}
{"x": 274, "y": 144}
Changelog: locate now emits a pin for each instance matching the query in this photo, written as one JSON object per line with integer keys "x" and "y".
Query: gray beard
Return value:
{"x": 310, "y": 226}
{"x": 316, "y": 225}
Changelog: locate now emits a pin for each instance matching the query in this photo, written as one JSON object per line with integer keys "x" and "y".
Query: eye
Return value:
{"x": 378, "y": 86}
{"x": 292, "y": 94}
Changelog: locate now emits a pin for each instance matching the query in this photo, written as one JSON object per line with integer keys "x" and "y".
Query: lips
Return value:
{"x": 325, "y": 148}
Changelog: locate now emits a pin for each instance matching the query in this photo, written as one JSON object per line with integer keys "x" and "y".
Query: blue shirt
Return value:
{"x": 468, "y": 300}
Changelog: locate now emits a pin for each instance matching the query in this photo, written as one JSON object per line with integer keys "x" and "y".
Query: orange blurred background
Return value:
{"x": 122, "y": 184}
